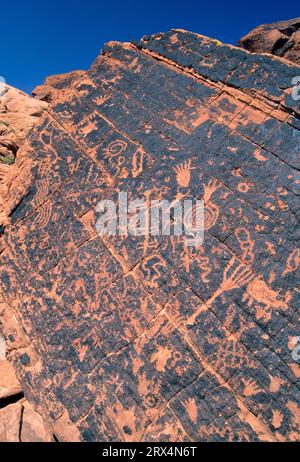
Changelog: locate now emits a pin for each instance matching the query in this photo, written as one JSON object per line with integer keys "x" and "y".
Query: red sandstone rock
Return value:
{"x": 19, "y": 423}
{"x": 18, "y": 113}
{"x": 9, "y": 384}
{"x": 143, "y": 338}
{"x": 279, "y": 38}
{"x": 10, "y": 418}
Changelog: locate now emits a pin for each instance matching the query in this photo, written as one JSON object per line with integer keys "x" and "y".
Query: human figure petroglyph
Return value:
{"x": 197, "y": 255}
{"x": 293, "y": 262}
{"x": 246, "y": 244}
{"x": 161, "y": 357}
{"x": 235, "y": 275}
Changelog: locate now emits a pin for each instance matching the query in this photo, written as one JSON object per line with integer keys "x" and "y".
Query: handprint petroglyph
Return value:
{"x": 235, "y": 275}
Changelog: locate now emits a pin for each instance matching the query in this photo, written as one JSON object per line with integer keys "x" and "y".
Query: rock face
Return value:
{"x": 20, "y": 423}
{"x": 18, "y": 113}
{"x": 128, "y": 338}
{"x": 9, "y": 384}
{"x": 279, "y": 38}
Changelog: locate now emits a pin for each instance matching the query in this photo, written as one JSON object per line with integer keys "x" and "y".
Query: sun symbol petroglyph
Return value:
{"x": 101, "y": 99}
{"x": 211, "y": 210}
{"x": 243, "y": 187}
{"x": 183, "y": 173}
{"x": 235, "y": 275}
{"x": 231, "y": 356}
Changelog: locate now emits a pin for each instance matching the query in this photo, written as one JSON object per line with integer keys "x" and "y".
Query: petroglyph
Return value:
{"x": 235, "y": 275}
{"x": 130, "y": 337}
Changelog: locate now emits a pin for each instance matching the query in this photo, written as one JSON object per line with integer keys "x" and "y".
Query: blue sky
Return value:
{"x": 41, "y": 38}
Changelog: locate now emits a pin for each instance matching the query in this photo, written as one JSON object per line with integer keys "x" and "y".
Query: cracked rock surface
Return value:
{"x": 18, "y": 421}
{"x": 279, "y": 38}
{"x": 123, "y": 338}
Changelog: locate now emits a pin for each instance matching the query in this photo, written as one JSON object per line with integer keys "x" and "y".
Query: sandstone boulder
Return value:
{"x": 279, "y": 38}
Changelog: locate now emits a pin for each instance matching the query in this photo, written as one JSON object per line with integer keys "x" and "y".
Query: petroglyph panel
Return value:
{"x": 135, "y": 338}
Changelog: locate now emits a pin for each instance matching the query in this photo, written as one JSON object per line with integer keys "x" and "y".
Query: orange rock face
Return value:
{"x": 18, "y": 113}
{"x": 279, "y": 38}
{"x": 130, "y": 338}
{"x": 19, "y": 423}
